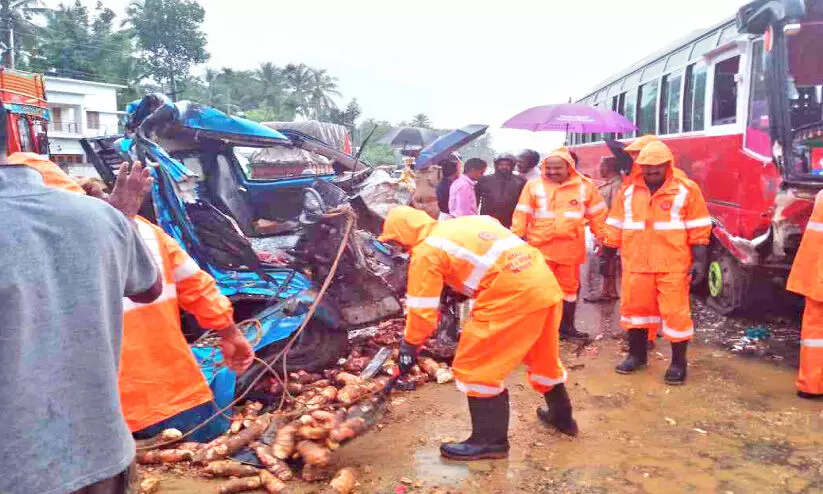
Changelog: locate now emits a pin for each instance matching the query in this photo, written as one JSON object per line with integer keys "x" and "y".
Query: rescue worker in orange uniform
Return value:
{"x": 806, "y": 278}
{"x": 160, "y": 383}
{"x": 551, "y": 215}
{"x": 515, "y": 319}
{"x": 661, "y": 225}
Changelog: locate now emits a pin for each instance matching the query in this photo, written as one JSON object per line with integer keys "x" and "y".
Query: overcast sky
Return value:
{"x": 458, "y": 61}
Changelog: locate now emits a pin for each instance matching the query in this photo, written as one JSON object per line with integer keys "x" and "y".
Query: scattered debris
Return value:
{"x": 701, "y": 431}
{"x": 671, "y": 421}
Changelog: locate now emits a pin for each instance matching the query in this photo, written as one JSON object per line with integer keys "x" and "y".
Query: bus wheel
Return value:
{"x": 729, "y": 284}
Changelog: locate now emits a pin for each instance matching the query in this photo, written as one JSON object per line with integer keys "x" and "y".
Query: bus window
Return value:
{"x": 757, "y": 125}
{"x": 704, "y": 45}
{"x": 630, "y": 108}
{"x": 670, "y": 103}
{"x": 694, "y": 99}
{"x": 647, "y": 111}
{"x": 724, "y": 97}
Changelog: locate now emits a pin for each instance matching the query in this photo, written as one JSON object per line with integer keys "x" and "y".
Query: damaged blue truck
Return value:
{"x": 205, "y": 199}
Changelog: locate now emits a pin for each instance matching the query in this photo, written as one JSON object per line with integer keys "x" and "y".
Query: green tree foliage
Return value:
{"x": 84, "y": 44}
{"x": 421, "y": 120}
{"x": 262, "y": 115}
{"x": 348, "y": 116}
{"x": 17, "y": 15}
{"x": 169, "y": 36}
{"x": 374, "y": 153}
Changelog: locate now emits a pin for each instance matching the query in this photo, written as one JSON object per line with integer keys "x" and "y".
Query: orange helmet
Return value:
{"x": 655, "y": 153}
{"x": 638, "y": 144}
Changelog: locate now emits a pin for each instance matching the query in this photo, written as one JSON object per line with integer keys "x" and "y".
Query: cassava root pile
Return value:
{"x": 303, "y": 432}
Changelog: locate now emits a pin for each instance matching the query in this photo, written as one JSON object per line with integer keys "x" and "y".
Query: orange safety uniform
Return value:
{"x": 552, "y": 217}
{"x": 159, "y": 376}
{"x": 655, "y": 233}
{"x": 53, "y": 175}
{"x": 806, "y": 278}
{"x": 517, "y": 308}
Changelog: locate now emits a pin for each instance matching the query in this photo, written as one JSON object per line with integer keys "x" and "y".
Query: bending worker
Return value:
{"x": 661, "y": 225}
{"x": 552, "y": 215}
{"x": 515, "y": 319}
{"x": 806, "y": 278}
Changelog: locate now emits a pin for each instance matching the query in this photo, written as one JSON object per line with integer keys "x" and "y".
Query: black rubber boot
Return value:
{"x": 567, "y": 329}
{"x": 637, "y": 352}
{"x": 809, "y": 396}
{"x": 558, "y": 413}
{"x": 490, "y": 431}
{"x": 676, "y": 374}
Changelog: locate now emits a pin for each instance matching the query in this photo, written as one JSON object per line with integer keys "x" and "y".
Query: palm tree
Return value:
{"x": 323, "y": 86}
{"x": 421, "y": 120}
{"x": 299, "y": 79}
{"x": 273, "y": 82}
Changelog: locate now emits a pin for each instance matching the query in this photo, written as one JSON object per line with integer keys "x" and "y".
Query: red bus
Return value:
{"x": 24, "y": 96}
{"x": 740, "y": 105}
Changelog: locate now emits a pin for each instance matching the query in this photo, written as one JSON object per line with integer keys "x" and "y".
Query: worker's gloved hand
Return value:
{"x": 237, "y": 352}
{"x": 407, "y": 358}
{"x": 700, "y": 256}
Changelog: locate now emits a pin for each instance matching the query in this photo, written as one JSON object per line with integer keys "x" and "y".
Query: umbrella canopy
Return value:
{"x": 570, "y": 117}
{"x": 408, "y": 137}
{"x": 447, "y": 144}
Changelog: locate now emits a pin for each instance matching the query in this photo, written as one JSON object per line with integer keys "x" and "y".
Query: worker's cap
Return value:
{"x": 655, "y": 153}
{"x": 641, "y": 142}
{"x": 562, "y": 153}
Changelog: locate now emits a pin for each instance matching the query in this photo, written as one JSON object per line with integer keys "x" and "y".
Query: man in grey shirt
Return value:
{"x": 66, "y": 262}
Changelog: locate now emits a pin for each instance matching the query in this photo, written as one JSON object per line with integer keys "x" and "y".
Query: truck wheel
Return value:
{"x": 729, "y": 284}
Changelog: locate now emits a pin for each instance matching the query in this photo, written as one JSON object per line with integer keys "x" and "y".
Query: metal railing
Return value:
{"x": 67, "y": 127}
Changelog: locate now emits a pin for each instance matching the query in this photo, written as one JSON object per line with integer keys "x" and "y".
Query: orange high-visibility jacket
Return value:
{"x": 655, "y": 232}
{"x": 159, "y": 376}
{"x": 806, "y": 277}
{"x": 53, "y": 175}
{"x": 475, "y": 255}
{"x": 552, "y": 216}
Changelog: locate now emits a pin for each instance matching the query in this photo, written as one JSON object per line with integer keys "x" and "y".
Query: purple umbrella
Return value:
{"x": 570, "y": 117}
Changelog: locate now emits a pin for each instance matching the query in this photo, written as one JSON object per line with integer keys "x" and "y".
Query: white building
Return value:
{"x": 79, "y": 109}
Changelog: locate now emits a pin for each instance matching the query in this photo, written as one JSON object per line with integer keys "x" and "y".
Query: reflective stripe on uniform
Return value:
{"x": 483, "y": 263}
{"x": 573, "y": 214}
{"x": 676, "y": 222}
{"x": 678, "y": 334}
{"x": 479, "y": 388}
{"x": 525, "y": 208}
{"x": 169, "y": 293}
{"x": 640, "y": 320}
{"x": 545, "y": 214}
{"x": 814, "y": 226}
{"x": 150, "y": 240}
{"x": 594, "y": 209}
{"x": 548, "y": 381}
{"x": 423, "y": 302}
{"x": 570, "y": 298}
{"x": 812, "y": 343}
{"x": 614, "y": 222}
{"x": 700, "y": 222}
{"x": 628, "y": 220}
{"x": 540, "y": 195}
{"x": 186, "y": 270}
{"x": 489, "y": 259}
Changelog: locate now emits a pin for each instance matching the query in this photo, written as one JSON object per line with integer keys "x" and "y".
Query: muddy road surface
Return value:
{"x": 735, "y": 427}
